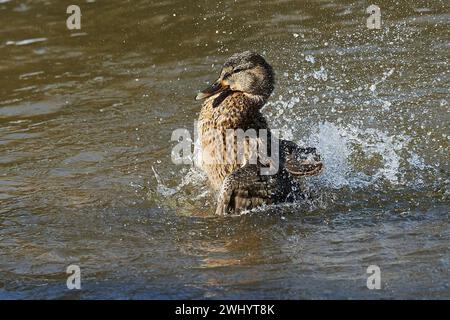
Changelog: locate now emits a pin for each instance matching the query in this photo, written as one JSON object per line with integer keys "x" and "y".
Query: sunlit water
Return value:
{"x": 86, "y": 175}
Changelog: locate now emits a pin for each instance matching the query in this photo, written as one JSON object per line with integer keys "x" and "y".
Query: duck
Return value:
{"x": 238, "y": 174}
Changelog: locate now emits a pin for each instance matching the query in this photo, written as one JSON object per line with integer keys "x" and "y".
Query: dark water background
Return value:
{"x": 86, "y": 175}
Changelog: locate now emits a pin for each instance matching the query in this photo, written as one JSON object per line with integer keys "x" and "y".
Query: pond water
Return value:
{"x": 86, "y": 176}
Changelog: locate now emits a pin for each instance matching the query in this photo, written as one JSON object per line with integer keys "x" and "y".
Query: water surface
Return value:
{"x": 86, "y": 175}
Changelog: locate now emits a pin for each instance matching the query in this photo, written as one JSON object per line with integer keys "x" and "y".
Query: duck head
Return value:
{"x": 247, "y": 72}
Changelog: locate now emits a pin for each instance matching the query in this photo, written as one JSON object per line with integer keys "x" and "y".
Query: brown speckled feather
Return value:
{"x": 235, "y": 112}
{"x": 234, "y": 102}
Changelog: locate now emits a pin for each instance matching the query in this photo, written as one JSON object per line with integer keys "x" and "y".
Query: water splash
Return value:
{"x": 161, "y": 188}
{"x": 358, "y": 157}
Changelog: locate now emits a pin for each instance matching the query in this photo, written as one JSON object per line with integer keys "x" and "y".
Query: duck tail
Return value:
{"x": 301, "y": 162}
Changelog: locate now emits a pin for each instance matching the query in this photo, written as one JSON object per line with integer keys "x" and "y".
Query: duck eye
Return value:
{"x": 238, "y": 70}
{"x": 226, "y": 75}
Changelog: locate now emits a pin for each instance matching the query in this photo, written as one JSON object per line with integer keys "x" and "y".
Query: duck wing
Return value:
{"x": 301, "y": 162}
{"x": 246, "y": 189}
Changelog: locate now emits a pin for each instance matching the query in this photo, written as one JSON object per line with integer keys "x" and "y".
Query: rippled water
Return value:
{"x": 86, "y": 175}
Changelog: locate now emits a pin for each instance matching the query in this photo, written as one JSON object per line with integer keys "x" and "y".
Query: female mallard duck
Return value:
{"x": 234, "y": 102}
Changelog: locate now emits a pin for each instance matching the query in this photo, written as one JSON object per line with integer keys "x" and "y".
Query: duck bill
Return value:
{"x": 213, "y": 89}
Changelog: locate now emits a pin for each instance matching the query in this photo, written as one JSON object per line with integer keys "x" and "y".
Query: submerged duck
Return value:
{"x": 234, "y": 102}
